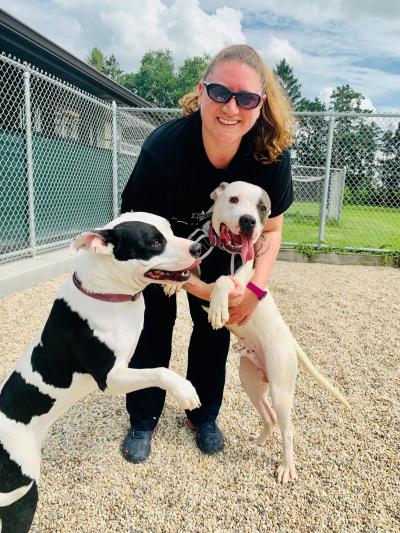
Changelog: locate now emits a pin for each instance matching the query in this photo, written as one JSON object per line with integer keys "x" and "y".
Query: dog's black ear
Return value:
{"x": 96, "y": 241}
{"x": 216, "y": 192}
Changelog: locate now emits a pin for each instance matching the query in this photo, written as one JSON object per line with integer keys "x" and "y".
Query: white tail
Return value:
{"x": 7, "y": 498}
{"x": 319, "y": 378}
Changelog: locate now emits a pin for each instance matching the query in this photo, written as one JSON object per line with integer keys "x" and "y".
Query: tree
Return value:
{"x": 112, "y": 69}
{"x": 289, "y": 82}
{"x": 155, "y": 80}
{"x": 356, "y": 139}
{"x": 311, "y": 137}
{"x": 96, "y": 59}
{"x": 189, "y": 74}
{"x": 389, "y": 165}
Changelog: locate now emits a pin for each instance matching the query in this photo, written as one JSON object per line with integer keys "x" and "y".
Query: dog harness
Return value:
{"x": 104, "y": 297}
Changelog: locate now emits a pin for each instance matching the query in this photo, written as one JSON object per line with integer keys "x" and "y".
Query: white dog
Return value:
{"x": 269, "y": 352}
{"x": 87, "y": 342}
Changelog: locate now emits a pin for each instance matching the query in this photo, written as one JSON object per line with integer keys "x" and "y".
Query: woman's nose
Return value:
{"x": 231, "y": 106}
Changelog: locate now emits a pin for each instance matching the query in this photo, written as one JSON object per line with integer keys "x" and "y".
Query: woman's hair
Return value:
{"x": 275, "y": 125}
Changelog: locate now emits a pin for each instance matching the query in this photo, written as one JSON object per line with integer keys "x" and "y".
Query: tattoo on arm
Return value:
{"x": 264, "y": 245}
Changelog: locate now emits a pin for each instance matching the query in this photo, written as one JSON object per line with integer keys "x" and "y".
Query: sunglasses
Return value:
{"x": 222, "y": 95}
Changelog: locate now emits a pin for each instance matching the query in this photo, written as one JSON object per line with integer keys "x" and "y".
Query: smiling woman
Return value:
{"x": 237, "y": 126}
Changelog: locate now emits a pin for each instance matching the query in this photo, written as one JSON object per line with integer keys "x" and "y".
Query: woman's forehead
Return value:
{"x": 236, "y": 75}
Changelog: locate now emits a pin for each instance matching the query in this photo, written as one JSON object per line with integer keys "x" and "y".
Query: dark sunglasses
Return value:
{"x": 222, "y": 95}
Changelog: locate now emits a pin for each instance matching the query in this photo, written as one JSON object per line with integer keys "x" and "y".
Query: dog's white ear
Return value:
{"x": 91, "y": 241}
{"x": 216, "y": 192}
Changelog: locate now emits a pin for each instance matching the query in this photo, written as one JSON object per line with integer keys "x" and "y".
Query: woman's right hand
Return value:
{"x": 235, "y": 296}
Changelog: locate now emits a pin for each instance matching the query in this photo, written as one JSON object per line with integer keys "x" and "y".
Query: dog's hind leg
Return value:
{"x": 257, "y": 389}
{"x": 282, "y": 400}
{"x": 18, "y": 517}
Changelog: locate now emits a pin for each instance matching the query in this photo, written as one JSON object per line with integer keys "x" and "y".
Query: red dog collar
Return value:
{"x": 115, "y": 298}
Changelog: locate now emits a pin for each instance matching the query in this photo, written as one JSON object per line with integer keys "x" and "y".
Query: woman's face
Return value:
{"x": 225, "y": 124}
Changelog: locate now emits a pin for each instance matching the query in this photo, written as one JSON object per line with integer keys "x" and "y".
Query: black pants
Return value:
{"x": 208, "y": 350}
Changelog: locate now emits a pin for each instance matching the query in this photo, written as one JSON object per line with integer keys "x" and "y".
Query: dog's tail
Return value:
{"x": 319, "y": 378}
{"x": 7, "y": 498}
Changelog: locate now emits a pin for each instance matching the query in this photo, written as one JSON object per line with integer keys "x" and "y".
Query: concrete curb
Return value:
{"x": 22, "y": 274}
{"x": 334, "y": 258}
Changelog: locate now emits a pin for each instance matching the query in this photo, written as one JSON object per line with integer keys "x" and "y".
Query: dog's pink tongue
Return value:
{"x": 247, "y": 249}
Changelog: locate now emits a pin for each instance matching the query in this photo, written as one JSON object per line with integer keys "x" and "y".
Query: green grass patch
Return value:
{"x": 360, "y": 226}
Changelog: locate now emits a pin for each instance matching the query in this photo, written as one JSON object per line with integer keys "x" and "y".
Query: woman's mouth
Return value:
{"x": 227, "y": 122}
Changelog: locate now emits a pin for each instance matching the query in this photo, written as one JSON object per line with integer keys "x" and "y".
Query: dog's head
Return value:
{"x": 140, "y": 248}
{"x": 239, "y": 215}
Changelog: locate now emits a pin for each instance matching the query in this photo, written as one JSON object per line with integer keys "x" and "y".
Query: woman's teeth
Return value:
{"x": 228, "y": 122}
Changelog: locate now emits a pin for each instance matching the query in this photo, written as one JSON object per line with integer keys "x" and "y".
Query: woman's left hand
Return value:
{"x": 240, "y": 314}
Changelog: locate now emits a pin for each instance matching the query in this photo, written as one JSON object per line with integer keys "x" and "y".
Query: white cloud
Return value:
{"x": 278, "y": 49}
{"x": 325, "y": 95}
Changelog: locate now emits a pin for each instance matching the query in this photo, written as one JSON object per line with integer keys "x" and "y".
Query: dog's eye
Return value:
{"x": 262, "y": 208}
{"x": 155, "y": 243}
{"x": 234, "y": 200}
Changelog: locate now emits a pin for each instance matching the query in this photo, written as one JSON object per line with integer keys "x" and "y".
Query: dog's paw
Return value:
{"x": 285, "y": 473}
{"x": 218, "y": 314}
{"x": 185, "y": 394}
{"x": 171, "y": 288}
{"x": 261, "y": 438}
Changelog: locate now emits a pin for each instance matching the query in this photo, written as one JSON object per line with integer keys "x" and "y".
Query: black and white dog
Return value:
{"x": 87, "y": 342}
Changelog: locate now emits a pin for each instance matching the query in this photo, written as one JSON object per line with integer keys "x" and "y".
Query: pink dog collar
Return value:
{"x": 257, "y": 291}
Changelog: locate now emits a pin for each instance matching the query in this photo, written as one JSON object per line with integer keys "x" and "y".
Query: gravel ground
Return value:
{"x": 347, "y": 319}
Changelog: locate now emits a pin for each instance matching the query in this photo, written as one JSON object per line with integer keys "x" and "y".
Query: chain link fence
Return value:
{"x": 66, "y": 157}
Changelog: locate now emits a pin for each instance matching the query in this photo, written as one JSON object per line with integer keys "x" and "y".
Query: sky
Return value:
{"x": 355, "y": 42}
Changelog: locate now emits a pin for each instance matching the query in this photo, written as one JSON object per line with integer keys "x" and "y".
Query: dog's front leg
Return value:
{"x": 124, "y": 380}
{"x": 218, "y": 313}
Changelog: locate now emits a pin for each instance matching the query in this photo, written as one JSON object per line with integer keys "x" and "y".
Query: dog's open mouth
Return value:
{"x": 233, "y": 243}
{"x": 176, "y": 276}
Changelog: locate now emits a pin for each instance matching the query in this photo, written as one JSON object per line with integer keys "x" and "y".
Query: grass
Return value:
{"x": 360, "y": 226}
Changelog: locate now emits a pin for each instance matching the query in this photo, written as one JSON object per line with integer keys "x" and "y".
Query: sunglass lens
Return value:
{"x": 218, "y": 93}
{"x": 248, "y": 100}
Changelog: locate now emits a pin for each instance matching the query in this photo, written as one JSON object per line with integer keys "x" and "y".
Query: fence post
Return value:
{"x": 29, "y": 163}
{"x": 322, "y": 213}
{"x": 115, "y": 159}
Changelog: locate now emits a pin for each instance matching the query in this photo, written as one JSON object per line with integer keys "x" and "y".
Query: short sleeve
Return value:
{"x": 281, "y": 194}
{"x": 148, "y": 188}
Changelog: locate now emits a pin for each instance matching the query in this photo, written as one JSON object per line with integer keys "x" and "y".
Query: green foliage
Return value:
{"x": 112, "y": 68}
{"x": 346, "y": 99}
{"x": 108, "y": 66}
{"x": 155, "y": 80}
{"x": 96, "y": 59}
{"x": 189, "y": 74}
{"x": 288, "y": 81}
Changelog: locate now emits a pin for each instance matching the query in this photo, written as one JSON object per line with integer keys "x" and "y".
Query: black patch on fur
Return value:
{"x": 11, "y": 476}
{"x": 135, "y": 240}
{"x": 21, "y": 401}
{"x": 68, "y": 346}
{"x": 18, "y": 517}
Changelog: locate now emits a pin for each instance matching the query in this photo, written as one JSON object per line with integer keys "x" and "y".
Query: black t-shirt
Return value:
{"x": 174, "y": 178}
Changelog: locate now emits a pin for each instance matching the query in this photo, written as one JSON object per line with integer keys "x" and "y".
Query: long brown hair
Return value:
{"x": 275, "y": 125}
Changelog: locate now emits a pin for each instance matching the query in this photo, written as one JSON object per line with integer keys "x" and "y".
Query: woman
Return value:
{"x": 237, "y": 126}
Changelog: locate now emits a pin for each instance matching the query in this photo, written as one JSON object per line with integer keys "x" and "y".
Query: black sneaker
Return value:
{"x": 136, "y": 446}
{"x": 209, "y": 438}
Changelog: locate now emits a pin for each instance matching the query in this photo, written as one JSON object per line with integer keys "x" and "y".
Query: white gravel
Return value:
{"x": 347, "y": 319}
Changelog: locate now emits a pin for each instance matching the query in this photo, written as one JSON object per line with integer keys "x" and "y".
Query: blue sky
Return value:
{"x": 328, "y": 44}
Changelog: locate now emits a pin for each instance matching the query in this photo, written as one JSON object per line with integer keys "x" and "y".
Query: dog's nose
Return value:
{"x": 247, "y": 223}
{"x": 195, "y": 250}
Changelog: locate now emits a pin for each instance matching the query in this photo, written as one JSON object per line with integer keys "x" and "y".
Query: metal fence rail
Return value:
{"x": 65, "y": 157}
